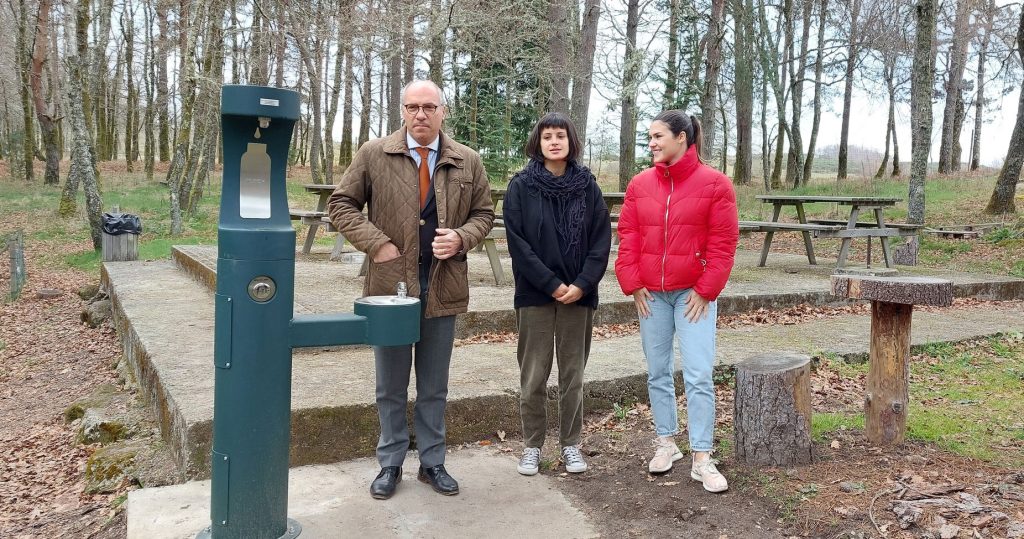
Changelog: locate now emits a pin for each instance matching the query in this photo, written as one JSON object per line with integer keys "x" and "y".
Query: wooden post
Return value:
{"x": 892, "y": 303}
{"x": 772, "y": 417}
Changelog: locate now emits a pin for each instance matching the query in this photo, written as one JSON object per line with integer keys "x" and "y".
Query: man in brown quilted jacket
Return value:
{"x": 429, "y": 204}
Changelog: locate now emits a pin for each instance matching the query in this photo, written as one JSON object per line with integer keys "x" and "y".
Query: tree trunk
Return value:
{"x": 743, "y": 169}
{"x": 672, "y": 64}
{"x": 582, "y": 82}
{"x": 394, "y": 84}
{"x": 259, "y": 49}
{"x": 772, "y": 418}
{"x": 852, "y": 51}
{"x": 366, "y": 94}
{"x": 627, "y": 133}
{"x": 954, "y": 85}
{"x": 895, "y": 152}
{"x": 1006, "y": 185}
{"x": 890, "y": 125}
{"x": 559, "y": 35}
{"x": 163, "y": 120}
{"x": 131, "y": 100}
{"x": 24, "y": 62}
{"x": 979, "y": 100}
{"x": 818, "y": 68}
{"x": 709, "y": 99}
{"x": 178, "y": 170}
{"x": 956, "y": 153}
{"x": 437, "y": 32}
{"x": 82, "y": 166}
{"x": 47, "y": 124}
{"x": 98, "y": 83}
{"x": 795, "y": 160}
{"x": 332, "y": 106}
{"x": 345, "y": 152}
{"x": 149, "y": 119}
{"x": 921, "y": 106}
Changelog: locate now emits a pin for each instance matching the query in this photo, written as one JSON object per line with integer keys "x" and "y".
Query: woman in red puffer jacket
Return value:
{"x": 678, "y": 230}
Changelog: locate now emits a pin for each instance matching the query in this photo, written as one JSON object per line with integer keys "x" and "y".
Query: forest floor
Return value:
{"x": 959, "y": 475}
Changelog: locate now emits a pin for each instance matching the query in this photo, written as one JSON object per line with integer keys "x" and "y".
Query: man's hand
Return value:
{"x": 560, "y": 291}
{"x": 696, "y": 307}
{"x": 447, "y": 243}
{"x": 386, "y": 253}
{"x": 640, "y": 298}
{"x": 572, "y": 294}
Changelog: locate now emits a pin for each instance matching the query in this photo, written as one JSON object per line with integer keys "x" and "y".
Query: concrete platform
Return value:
{"x": 165, "y": 317}
{"x": 325, "y": 286}
{"x": 333, "y": 501}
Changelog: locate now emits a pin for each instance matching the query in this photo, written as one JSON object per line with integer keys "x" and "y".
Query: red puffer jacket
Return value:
{"x": 678, "y": 229}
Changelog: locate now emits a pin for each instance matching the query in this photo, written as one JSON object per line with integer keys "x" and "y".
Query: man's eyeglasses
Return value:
{"x": 415, "y": 109}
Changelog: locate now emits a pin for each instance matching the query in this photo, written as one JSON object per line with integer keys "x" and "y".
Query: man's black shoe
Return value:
{"x": 439, "y": 479}
{"x": 384, "y": 485}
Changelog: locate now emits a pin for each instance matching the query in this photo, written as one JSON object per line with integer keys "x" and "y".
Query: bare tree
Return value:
{"x": 954, "y": 87}
{"x": 988, "y": 15}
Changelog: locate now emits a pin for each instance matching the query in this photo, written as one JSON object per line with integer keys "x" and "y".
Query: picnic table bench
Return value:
{"x": 828, "y": 228}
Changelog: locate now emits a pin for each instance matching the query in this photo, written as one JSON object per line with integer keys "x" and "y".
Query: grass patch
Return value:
{"x": 969, "y": 399}
{"x": 824, "y": 424}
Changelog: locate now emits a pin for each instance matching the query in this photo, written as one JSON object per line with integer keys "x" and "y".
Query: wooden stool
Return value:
{"x": 772, "y": 420}
{"x": 892, "y": 305}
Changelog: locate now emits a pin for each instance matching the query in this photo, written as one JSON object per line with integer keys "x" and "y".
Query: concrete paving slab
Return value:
{"x": 165, "y": 320}
{"x": 331, "y": 501}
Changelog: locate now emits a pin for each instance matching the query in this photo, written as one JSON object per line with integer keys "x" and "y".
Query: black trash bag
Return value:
{"x": 116, "y": 224}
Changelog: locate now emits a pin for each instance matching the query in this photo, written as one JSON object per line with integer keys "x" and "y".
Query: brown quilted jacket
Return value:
{"x": 384, "y": 176}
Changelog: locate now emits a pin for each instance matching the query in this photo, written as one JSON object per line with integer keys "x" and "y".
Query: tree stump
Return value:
{"x": 892, "y": 303}
{"x": 772, "y": 420}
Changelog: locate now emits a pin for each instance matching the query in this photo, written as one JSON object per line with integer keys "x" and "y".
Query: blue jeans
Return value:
{"x": 697, "y": 344}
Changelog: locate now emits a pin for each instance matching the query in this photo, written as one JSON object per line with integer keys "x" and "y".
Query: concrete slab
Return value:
{"x": 165, "y": 320}
{"x": 334, "y": 501}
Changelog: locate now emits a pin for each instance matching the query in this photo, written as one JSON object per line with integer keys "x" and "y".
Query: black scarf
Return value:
{"x": 568, "y": 195}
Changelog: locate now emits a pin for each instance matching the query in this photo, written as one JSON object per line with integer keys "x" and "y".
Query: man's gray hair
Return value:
{"x": 440, "y": 92}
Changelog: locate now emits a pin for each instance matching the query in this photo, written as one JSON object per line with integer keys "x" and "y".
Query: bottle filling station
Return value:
{"x": 255, "y": 328}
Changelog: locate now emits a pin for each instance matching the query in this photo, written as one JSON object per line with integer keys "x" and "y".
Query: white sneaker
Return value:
{"x": 667, "y": 452}
{"x": 707, "y": 473}
{"x": 573, "y": 459}
{"x": 530, "y": 463}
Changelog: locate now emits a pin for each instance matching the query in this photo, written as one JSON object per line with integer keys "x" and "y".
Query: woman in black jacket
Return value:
{"x": 559, "y": 236}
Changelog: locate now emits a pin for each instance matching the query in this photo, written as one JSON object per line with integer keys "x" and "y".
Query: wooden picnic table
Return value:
{"x": 848, "y": 230}
{"x": 316, "y": 218}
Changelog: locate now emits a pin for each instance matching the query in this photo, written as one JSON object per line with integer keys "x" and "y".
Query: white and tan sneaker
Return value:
{"x": 707, "y": 473}
{"x": 666, "y": 453}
